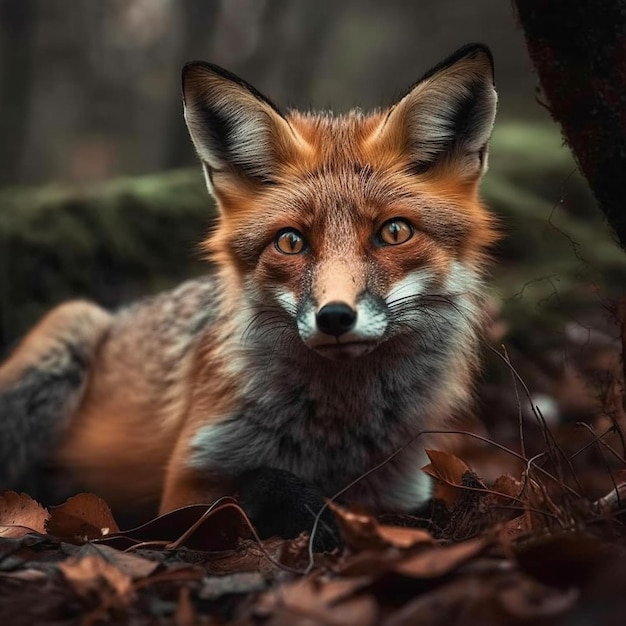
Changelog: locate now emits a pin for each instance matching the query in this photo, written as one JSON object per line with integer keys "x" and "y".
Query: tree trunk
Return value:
{"x": 579, "y": 51}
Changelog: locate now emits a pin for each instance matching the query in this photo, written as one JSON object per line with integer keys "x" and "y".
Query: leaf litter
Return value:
{"x": 542, "y": 542}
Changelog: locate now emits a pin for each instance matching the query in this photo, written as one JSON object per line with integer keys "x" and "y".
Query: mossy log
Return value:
{"x": 108, "y": 242}
{"x": 115, "y": 241}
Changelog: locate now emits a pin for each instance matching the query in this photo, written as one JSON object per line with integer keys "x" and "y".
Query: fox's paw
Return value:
{"x": 280, "y": 503}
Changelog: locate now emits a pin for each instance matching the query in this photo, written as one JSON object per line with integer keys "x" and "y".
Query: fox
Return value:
{"x": 341, "y": 315}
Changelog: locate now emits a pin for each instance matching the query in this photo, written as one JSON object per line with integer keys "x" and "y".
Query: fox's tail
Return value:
{"x": 42, "y": 383}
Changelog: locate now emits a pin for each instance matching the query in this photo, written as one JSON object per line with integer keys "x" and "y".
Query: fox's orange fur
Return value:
{"x": 322, "y": 358}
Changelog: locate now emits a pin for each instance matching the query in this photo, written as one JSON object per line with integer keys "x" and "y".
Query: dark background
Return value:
{"x": 90, "y": 89}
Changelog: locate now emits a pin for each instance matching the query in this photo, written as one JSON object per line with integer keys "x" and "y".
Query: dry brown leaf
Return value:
{"x": 83, "y": 515}
{"x": 448, "y": 470}
{"x": 529, "y": 600}
{"x": 439, "y": 607}
{"x": 508, "y": 485}
{"x": 92, "y": 574}
{"x": 400, "y": 537}
{"x": 359, "y": 530}
{"x": 515, "y": 527}
{"x": 205, "y": 527}
{"x": 363, "y": 532}
{"x": 438, "y": 561}
{"x": 564, "y": 559}
{"x": 319, "y": 601}
{"x": 20, "y": 514}
{"x": 446, "y": 466}
{"x": 133, "y": 565}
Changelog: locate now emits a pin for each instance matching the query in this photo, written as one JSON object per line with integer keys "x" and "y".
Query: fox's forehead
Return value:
{"x": 334, "y": 139}
{"x": 334, "y": 191}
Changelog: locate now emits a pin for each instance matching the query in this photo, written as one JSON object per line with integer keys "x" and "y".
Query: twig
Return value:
{"x": 598, "y": 438}
{"x": 547, "y": 433}
{"x": 216, "y": 507}
{"x": 520, "y": 415}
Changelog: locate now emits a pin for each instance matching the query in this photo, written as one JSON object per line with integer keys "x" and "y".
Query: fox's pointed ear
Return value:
{"x": 236, "y": 130}
{"x": 446, "y": 118}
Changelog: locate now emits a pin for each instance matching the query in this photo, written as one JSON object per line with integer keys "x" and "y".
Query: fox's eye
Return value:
{"x": 289, "y": 241}
{"x": 395, "y": 231}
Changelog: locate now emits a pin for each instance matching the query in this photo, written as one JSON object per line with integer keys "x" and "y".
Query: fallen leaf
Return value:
{"x": 361, "y": 531}
{"x": 401, "y": 537}
{"x": 508, "y": 486}
{"x": 437, "y": 561}
{"x": 515, "y": 527}
{"x": 93, "y": 575}
{"x": 449, "y": 471}
{"x": 368, "y": 563}
{"x": 527, "y": 599}
{"x": 20, "y": 515}
{"x": 319, "y": 601}
{"x": 440, "y": 607}
{"x": 84, "y": 515}
{"x": 563, "y": 559}
{"x": 134, "y": 566}
{"x": 212, "y": 529}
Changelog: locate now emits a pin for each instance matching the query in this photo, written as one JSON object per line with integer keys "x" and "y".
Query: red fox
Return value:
{"x": 343, "y": 316}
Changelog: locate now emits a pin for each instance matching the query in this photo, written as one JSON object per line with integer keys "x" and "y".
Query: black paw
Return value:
{"x": 280, "y": 503}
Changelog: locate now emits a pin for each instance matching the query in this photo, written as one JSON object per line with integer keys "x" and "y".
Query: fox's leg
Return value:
{"x": 185, "y": 484}
{"x": 42, "y": 382}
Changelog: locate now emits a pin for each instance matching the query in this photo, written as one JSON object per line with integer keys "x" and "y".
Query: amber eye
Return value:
{"x": 289, "y": 241}
{"x": 395, "y": 231}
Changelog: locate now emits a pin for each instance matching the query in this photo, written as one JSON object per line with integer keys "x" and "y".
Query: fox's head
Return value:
{"x": 352, "y": 229}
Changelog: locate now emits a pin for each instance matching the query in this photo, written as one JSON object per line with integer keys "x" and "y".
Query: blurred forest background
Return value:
{"x": 101, "y": 195}
{"x": 90, "y": 89}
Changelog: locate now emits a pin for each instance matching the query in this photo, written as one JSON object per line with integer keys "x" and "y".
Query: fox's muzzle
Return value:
{"x": 336, "y": 318}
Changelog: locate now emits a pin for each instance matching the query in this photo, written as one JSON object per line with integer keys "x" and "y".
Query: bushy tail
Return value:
{"x": 42, "y": 383}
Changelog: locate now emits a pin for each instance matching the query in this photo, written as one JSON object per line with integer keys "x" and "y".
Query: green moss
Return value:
{"x": 107, "y": 242}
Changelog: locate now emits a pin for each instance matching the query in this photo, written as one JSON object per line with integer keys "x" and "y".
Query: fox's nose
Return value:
{"x": 335, "y": 318}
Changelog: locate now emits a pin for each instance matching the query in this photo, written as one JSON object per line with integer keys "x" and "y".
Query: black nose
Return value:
{"x": 335, "y": 318}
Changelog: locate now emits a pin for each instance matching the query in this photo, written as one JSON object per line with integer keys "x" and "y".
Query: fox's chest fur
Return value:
{"x": 329, "y": 422}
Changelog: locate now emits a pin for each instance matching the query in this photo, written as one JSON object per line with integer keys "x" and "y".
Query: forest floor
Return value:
{"x": 526, "y": 527}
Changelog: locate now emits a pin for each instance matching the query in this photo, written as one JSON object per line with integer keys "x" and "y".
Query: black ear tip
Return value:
{"x": 189, "y": 70}
{"x": 193, "y": 68}
{"x": 195, "y": 73}
{"x": 477, "y": 50}
{"x": 468, "y": 51}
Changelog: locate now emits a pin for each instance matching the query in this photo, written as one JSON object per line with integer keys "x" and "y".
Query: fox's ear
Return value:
{"x": 236, "y": 130}
{"x": 446, "y": 117}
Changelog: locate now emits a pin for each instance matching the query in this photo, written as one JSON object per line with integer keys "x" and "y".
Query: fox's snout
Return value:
{"x": 341, "y": 329}
{"x": 340, "y": 332}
